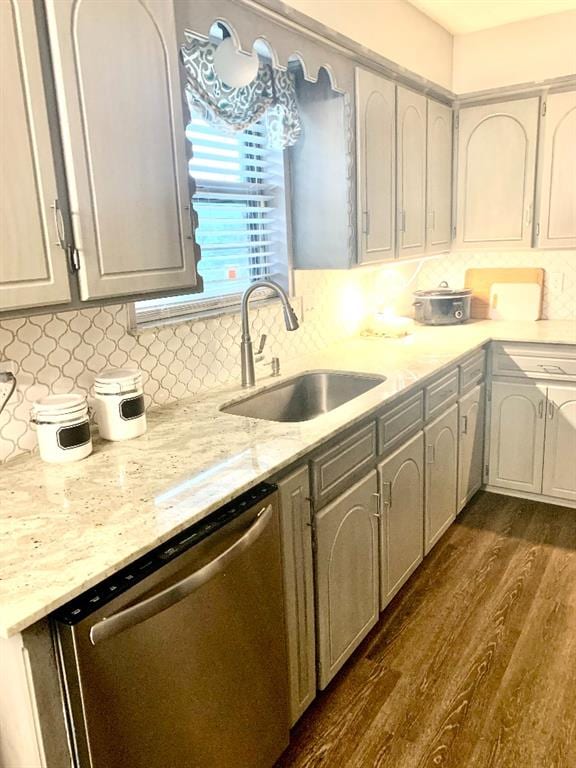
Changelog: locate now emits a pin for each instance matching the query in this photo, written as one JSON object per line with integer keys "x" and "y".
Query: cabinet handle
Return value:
{"x": 432, "y": 220}
{"x": 529, "y": 214}
{"x": 377, "y": 498}
{"x": 550, "y": 409}
{"x": 366, "y": 222}
{"x": 429, "y": 454}
{"x": 402, "y": 220}
{"x": 188, "y": 208}
{"x": 59, "y": 224}
{"x": 551, "y": 368}
{"x": 464, "y": 425}
{"x": 541, "y": 409}
{"x": 387, "y": 488}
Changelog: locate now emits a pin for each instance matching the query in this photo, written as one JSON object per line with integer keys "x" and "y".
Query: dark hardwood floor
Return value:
{"x": 473, "y": 664}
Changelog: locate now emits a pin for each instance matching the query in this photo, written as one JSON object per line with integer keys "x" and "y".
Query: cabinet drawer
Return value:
{"x": 440, "y": 395}
{"x": 472, "y": 371}
{"x": 400, "y": 422}
{"x": 333, "y": 470}
{"x": 535, "y": 361}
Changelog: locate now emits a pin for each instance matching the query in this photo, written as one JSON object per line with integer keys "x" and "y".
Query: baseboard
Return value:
{"x": 530, "y": 496}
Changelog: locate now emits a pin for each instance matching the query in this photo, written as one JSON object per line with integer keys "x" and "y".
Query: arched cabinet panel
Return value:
{"x": 411, "y": 172}
{"x": 439, "y": 178}
{"x": 119, "y": 96}
{"x": 557, "y": 220}
{"x": 33, "y": 268}
{"x": 441, "y": 479}
{"x": 496, "y": 174}
{"x": 401, "y": 478}
{"x": 517, "y": 435}
{"x": 346, "y": 574}
{"x": 375, "y": 121}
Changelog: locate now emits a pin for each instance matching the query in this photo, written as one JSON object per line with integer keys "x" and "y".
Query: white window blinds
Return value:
{"x": 239, "y": 201}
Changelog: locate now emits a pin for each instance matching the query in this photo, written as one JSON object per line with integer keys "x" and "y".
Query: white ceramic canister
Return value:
{"x": 119, "y": 404}
{"x": 62, "y": 427}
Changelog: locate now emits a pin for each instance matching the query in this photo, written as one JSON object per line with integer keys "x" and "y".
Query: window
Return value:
{"x": 240, "y": 204}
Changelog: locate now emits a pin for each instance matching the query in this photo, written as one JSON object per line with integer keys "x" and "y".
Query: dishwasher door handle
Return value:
{"x": 135, "y": 614}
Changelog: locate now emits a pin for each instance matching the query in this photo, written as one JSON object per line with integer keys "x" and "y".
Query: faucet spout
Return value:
{"x": 246, "y": 351}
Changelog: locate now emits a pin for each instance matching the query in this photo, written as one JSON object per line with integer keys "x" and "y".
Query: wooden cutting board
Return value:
{"x": 481, "y": 281}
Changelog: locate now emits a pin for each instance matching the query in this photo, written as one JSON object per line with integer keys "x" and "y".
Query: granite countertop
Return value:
{"x": 64, "y": 528}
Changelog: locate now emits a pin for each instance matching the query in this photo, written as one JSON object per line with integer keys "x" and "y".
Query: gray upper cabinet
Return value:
{"x": 557, "y": 218}
{"x": 496, "y": 171}
{"x": 33, "y": 269}
{"x": 411, "y": 172}
{"x": 375, "y": 131}
{"x": 118, "y": 87}
{"x": 439, "y": 178}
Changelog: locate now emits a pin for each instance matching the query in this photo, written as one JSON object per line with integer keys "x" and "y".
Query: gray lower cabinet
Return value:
{"x": 346, "y": 574}
{"x": 296, "y": 524}
{"x": 33, "y": 268}
{"x": 401, "y": 477}
{"x": 470, "y": 444}
{"x": 441, "y": 475}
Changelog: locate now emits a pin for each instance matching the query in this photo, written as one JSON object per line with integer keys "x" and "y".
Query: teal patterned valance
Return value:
{"x": 270, "y": 95}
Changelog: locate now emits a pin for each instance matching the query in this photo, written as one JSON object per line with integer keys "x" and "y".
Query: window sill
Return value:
{"x": 137, "y": 327}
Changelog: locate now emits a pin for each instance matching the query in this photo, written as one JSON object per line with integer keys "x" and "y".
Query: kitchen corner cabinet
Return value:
{"x": 33, "y": 266}
{"x": 411, "y": 172}
{"x": 556, "y": 227}
{"x": 470, "y": 444}
{"x": 559, "y": 476}
{"x": 401, "y": 478}
{"x": 439, "y": 178}
{"x": 441, "y": 477}
{"x": 346, "y": 574}
{"x": 517, "y": 435}
{"x": 375, "y": 131}
{"x": 296, "y": 524}
{"x": 118, "y": 88}
{"x": 496, "y": 174}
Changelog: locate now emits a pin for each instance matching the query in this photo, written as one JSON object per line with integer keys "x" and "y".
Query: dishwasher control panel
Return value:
{"x": 127, "y": 577}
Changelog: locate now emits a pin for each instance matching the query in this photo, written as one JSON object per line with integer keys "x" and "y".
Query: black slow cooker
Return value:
{"x": 442, "y": 305}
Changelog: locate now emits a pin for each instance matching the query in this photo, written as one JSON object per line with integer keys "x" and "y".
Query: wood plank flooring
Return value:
{"x": 473, "y": 664}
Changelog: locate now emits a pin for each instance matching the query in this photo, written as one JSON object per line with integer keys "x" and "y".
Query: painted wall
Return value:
{"x": 393, "y": 28}
{"x": 522, "y": 52}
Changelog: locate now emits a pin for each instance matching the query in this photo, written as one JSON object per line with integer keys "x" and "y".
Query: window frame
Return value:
{"x": 198, "y": 308}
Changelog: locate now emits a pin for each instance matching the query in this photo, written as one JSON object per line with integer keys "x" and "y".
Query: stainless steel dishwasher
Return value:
{"x": 179, "y": 660}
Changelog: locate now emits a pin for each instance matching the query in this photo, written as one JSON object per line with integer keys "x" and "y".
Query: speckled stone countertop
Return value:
{"x": 64, "y": 528}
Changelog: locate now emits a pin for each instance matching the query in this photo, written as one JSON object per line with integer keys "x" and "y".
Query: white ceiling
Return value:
{"x": 461, "y": 16}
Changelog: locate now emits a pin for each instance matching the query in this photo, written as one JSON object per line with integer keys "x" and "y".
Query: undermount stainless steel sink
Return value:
{"x": 304, "y": 397}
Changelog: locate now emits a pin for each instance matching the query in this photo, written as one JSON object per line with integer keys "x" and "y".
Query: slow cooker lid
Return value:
{"x": 444, "y": 292}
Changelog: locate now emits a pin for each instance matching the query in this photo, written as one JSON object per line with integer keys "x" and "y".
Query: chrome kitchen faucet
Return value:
{"x": 246, "y": 351}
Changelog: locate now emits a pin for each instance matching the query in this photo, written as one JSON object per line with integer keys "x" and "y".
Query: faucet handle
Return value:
{"x": 261, "y": 344}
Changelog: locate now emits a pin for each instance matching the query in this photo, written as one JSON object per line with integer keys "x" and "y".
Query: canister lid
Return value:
{"x": 60, "y": 405}
{"x": 118, "y": 380}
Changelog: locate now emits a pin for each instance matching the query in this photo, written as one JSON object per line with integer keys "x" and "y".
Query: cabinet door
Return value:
{"x": 401, "y": 478}
{"x": 411, "y": 170}
{"x": 33, "y": 269}
{"x": 470, "y": 444}
{"x": 441, "y": 478}
{"x": 517, "y": 436}
{"x": 123, "y": 131}
{"x": 557, "y": 220}
{"x": 346, "y": 574}
{"x": 375, "y": 121}
{"x": 559, "y": 477}
{"x": 496, "y": 170}
{"x": 296, "y": 522}
{"x": 439, "y": 178}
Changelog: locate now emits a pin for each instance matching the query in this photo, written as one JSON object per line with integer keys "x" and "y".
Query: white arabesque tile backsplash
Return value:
{"x": 62, "y": 352}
